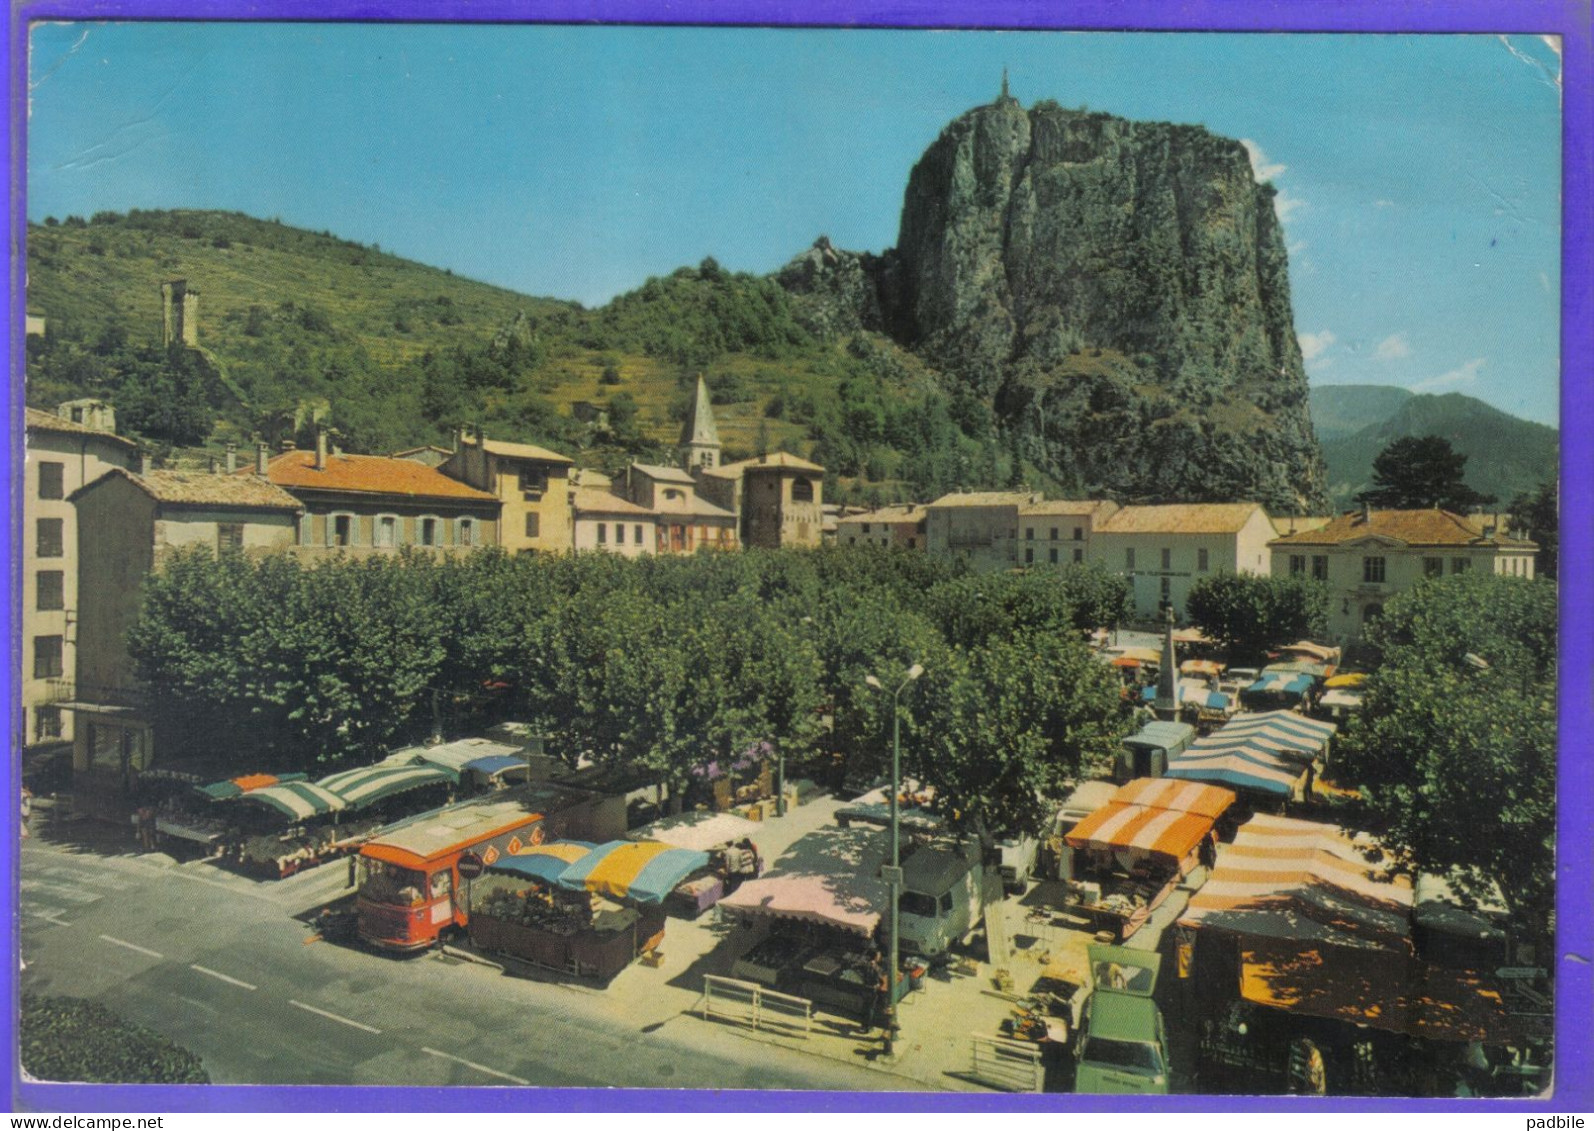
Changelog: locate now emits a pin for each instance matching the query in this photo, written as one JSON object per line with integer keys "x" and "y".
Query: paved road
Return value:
{"x": 220, "y": 965}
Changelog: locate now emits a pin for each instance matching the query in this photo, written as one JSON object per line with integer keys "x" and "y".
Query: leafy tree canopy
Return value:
{"x": 658, "y": 663}
{"x": 1012, "y": 724}
{"x": 1455, "y": 748}
{"x": 1416, "y": 472}
{"x": 1248, "y": 614}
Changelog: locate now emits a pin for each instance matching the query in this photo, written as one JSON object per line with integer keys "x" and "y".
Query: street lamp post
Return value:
{"x": 894, "y": 874}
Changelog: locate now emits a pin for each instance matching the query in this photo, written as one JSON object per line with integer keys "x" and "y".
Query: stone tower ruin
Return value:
{"x": 179, "y": 314}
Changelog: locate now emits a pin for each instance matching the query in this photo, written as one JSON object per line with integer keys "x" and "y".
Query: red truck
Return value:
{"x": 409, "y": 879}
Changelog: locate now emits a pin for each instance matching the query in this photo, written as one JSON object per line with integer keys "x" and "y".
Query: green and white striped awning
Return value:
{"x": 296, "y": 799}
{"x": 370, "y": 784}
{"x": 237, "y": 787}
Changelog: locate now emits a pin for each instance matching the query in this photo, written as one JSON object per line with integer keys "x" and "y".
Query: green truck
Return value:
{"x": 1123, "y": 1047}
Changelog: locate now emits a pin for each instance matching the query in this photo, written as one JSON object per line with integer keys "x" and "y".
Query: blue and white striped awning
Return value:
{"x": 458, "y": 755}
{"x": 495, "y": 764}
{"x": 1241, "y": 768}
{"x": 1283, "y": 733}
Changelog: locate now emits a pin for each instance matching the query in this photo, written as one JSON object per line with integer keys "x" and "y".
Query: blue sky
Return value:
{"x": 1419, "y": 176}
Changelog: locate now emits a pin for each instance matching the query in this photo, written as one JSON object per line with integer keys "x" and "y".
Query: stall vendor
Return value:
{"x": 741, "y": 862}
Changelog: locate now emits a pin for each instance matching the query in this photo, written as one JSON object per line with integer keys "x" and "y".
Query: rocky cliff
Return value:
{"x": 1118, "y": 291}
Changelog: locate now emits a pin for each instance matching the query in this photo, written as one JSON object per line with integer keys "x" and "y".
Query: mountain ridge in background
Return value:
{"x": 1506, "y": 455}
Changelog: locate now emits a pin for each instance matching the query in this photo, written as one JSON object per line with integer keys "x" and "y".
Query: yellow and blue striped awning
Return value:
{"x": 640, "y": 872}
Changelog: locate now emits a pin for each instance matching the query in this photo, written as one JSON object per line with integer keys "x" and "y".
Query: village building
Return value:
{"x": 602, "y": 520}
{"x": 979, "y": 526}
{"x": 831, "y": 515}
{"x": 531, "y": 483}
{"x": 65, "y": 450}
{"x": 1367, "y": 556}
{"x": 138, "y": 520}
{"x": 779, "y": 496}
{"x": 1165, "y": 550}
{"x": 900, "y": 525}
{"x": 1058, "y": 532}
{"x": 686, "y": 522}
{"x": 375, "y": 504}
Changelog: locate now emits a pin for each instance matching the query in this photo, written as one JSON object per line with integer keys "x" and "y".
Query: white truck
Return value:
{"x": 941, "y": 901}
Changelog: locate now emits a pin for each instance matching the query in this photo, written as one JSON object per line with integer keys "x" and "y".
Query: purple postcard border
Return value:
{"x": 1567, "y": 18}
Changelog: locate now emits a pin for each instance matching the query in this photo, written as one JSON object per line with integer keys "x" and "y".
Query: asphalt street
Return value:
{"x": 223, "y": 966}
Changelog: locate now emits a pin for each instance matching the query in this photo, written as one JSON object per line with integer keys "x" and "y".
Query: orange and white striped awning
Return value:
{"x": 1181, "y": 796}
{"x": 1287, "y": 878}
{"x": 1153, "y": 816}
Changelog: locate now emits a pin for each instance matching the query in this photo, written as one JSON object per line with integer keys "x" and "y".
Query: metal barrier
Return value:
{"x": 749, "y": 1003}
{"x": 1014, "y": 1066}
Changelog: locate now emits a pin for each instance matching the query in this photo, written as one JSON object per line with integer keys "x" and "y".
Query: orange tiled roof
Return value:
{"x": 1431, "y": 527}
{"x": 373, "y": 475}
{"x": 1301, "y": 523}
{"x": 1181, "y": 518}
{"x": 40, "y": 421}
{"x": 201, "y": 488}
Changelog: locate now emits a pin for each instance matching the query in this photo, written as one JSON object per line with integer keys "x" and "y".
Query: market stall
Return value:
{"x": 294, "y": 826}
{"x": 375, "y": 787}
{"x": 725, "y": 837}
{"x": 1136, "y": 667}
{"x": 193, "y": 815}
{"x": 1209, "y": 670}
{"x": 1199, "y": 702}
{"x": 1323, "y": 654}
{"x": 1338, "y": 704}
{"x": 237, "y": 787}
{"x": 1253, "y": 771}
{"x": 1136, "y": 849}
{"x": 915, "y": 809}
{"x": 1287, "y": 727}
{"x": 520, "y": 910}
{"x": 821, "y": 904}
{"x": 479, "y": 764}
{"x": 634, "y": 872}
{"x": 1311, "y": 920}
{"x": 1277, "y": 690}
{"x": 1269, "y": 755}
{"x": 588, "y": 909}
{"x": 730, "y": 783}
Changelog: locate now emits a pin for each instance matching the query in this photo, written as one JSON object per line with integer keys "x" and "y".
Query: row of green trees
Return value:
{"x": 1454, "y": 753}
{"x": 1455, "y": 749}
{"x": 660, "y": 663}
{"x": 670, "y": 663}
